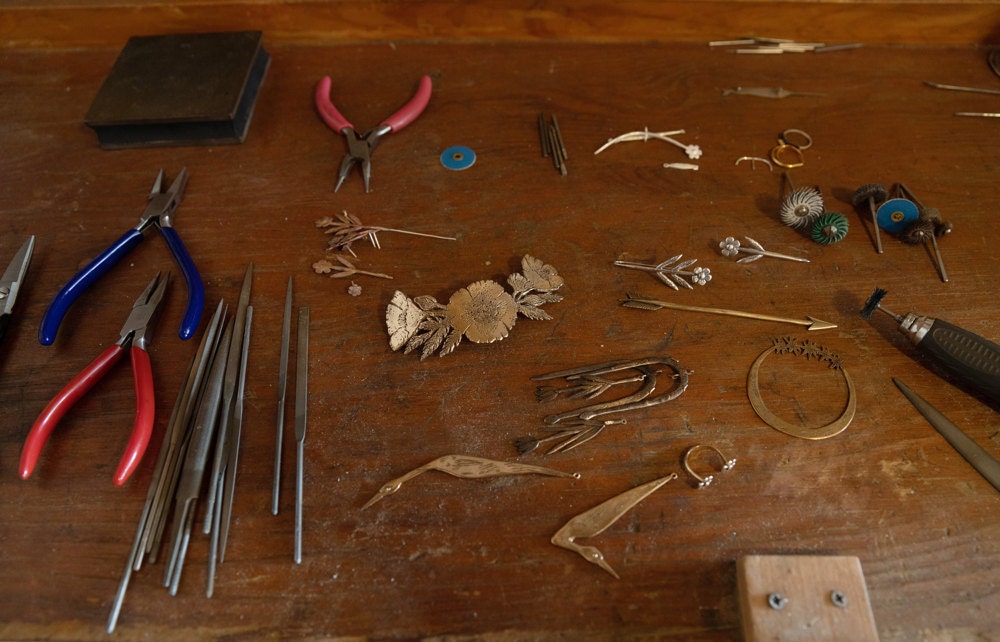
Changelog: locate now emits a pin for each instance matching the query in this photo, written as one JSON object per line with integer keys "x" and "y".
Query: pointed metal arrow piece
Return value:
{"x": 645, "y": 303}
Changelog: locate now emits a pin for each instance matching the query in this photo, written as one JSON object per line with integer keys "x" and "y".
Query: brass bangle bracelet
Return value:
{"x": 806, "y": 349}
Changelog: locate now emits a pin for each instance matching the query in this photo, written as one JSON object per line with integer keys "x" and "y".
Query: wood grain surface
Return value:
{"x": 470, "y": 559}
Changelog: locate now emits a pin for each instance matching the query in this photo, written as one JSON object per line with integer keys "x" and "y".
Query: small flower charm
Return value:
{"x": 482, "y": 312}
{"x": 729, "y": 246}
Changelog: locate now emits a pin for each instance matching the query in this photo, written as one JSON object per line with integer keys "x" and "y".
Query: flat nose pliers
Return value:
{"x": 162, "y": 203}
{"x": 359, "y": 148}
{"x": 135, "y": 336}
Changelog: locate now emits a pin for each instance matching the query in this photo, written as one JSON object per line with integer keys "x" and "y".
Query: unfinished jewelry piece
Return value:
{"x": 671, "y": 272}
{"x": 596, "y": 520}
{"x": 467, "y": 467}
{"x": 344, "y": 229}
{"x": 483, "y": 311}
{"x": 693, "y": 151}
{"x": 753, "y": 162}
{"x": 704, "y": 482}
{"x": 731, "y": 247}
{"x": 579, "y": 426}
{"x": 807, "y": 349}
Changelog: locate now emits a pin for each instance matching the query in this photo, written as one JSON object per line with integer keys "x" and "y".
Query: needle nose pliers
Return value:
{"x": 11, "y": 281}
{"x": 162, "y": 203}
{"x": 359, "y": 148}
{"x": 135, "y": 335}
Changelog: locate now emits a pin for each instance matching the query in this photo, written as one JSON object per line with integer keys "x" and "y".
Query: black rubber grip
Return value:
{"x": 966, "y": 355}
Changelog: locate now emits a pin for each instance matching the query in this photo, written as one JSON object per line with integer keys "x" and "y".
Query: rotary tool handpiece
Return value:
{"x": 964, "y": 354}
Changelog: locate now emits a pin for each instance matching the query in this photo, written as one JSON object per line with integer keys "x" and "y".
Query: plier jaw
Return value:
{"x": 162, "y": 203}
{"x": 138, "y": 328}
{"x": 358, "y": 153}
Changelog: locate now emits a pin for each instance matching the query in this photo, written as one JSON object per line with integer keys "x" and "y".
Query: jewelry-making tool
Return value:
{"x": 982, "y": 461}
{"x": 967, "y": 356}
{"x": 807, "y": 349}
{"x": 597, "y": 520}
{"x": 483, "y": 311}
{"x": 870, "y": 195}
{"x": 801, "y": 206}
{"x": 550, "y": 137}
{"x": 729, "y": 246}
{"x": 588, "y": 382}
{"x": 915, "y": 223}
{"x": 360, "y": 148}
{"x": 671, "y": 272}
{"x": 466, "y": 467}
{"x": 648, "y": 303}
{"x": 301, "y": 405}
{"x": 11, "y": 282}
{"x": 286, "y": 331}
{"x": 162, "y": 204}
{"x": 135, "y": 337}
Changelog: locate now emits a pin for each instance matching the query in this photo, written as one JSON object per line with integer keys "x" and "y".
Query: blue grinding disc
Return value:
{"x": 895, "y": 214}
{"x": 458, "y": 158}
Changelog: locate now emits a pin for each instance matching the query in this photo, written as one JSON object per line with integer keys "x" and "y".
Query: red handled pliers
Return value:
{"x": 359, "y": 148}
{"x": 135, "y": 335}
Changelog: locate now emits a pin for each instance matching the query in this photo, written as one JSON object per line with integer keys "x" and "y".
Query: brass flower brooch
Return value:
{"x": 483, "y": 312}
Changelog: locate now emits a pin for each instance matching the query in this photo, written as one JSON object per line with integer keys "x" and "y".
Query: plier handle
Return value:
{"x": 135, "y": 336}
{"x": 359, "y": 148}
{"x": 162, "y": 203}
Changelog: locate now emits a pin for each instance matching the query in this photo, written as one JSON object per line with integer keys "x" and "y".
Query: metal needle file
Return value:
{"x": 301, "y": 401}
{"x": 286, "y": 330}
{"x": 982, "y": 461}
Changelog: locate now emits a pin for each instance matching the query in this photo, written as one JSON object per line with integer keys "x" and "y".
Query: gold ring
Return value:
{"x": 806, "y": 349}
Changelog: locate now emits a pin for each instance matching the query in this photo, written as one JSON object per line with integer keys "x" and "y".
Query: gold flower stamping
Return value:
{"x": 482, "y": 312}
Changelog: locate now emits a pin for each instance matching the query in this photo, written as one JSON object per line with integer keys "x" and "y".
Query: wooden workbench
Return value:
{"x": 448, "y": 558}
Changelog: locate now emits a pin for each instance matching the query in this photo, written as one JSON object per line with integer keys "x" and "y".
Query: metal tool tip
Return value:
{"x": 872, "y": 303}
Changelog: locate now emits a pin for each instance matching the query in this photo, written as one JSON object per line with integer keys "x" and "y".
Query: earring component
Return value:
{"x": 482, "y": 312}
{"x": 731, "y": 247}
{"x": 595, "y": 521}
{"x": 466, "y": 467}
{"x": 703, "y": 482}
{"x": 807, "y": 349}
{"x": 344, "y": 229}
{"x": 671, "y": 272}
{"x": 753, "y": 162}
{"x": 693, "y": 151}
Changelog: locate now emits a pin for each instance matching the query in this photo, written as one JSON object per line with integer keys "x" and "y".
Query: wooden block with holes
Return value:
{"x": 812, "y": 598}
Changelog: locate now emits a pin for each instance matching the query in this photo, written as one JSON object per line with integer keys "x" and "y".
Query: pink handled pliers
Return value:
{"x": 359, "y": 148}
{"x": 135, "y": 336}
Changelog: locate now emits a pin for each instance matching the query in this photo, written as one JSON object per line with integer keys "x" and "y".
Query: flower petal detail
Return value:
{"x": 484, "y": 312}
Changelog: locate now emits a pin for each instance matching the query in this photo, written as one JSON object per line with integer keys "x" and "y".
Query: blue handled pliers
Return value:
{"x": 162, "y": 204}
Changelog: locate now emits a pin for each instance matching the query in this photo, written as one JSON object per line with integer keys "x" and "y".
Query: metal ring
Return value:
{"x": 807, "y": 349}
{"x": 777, "y": 150}
{"x": 727, "y": 464}
{"x": 799, "y": 132}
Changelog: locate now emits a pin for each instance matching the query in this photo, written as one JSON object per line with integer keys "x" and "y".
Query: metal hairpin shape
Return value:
{"x": 693, "y": 151}
{"x": 466, "y": 467}
{"x": 672, "y": 273}
{"x": 731, "y": 247}
{"x": 597, "y": 520}
{"x": 578, "y": 426}
{"x": 754, "y": 160}
{"x": 482, "y": 312}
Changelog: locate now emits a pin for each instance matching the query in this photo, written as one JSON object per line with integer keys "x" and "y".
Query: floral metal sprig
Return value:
{"x": 693, "y": 151}
{"x": 345, "y": 269}
{"x": 731, "y": 247}
{"x": 483, "y": 312}
{"x": 672, "y": 273}
{"x": 344, "y": 229}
